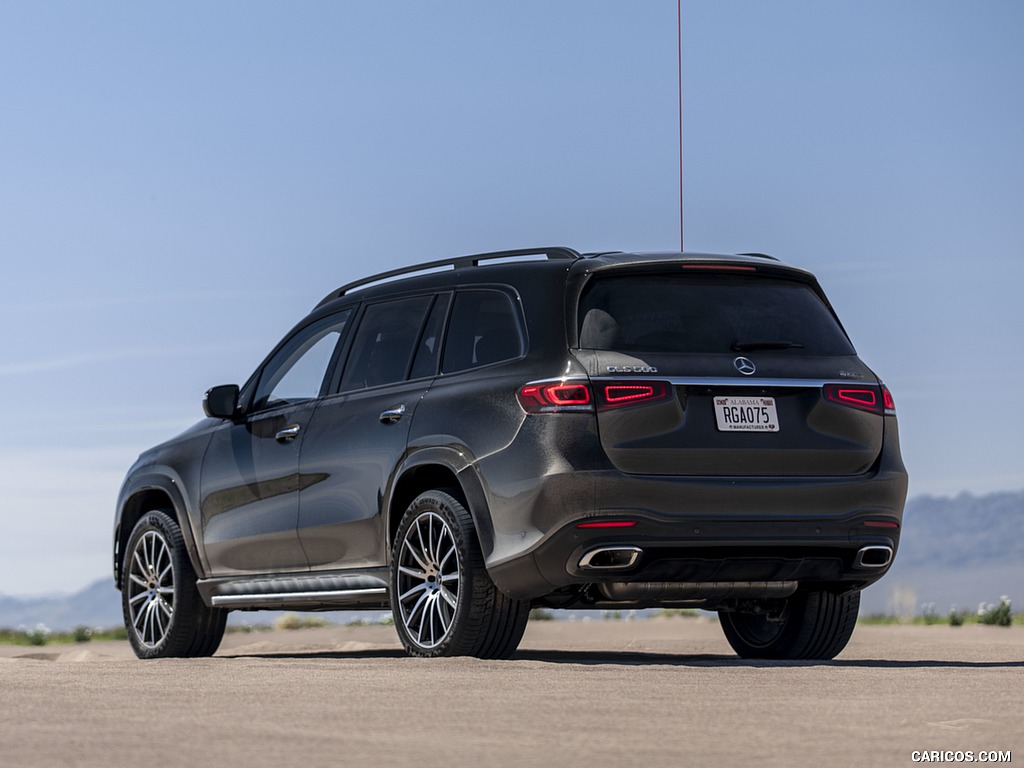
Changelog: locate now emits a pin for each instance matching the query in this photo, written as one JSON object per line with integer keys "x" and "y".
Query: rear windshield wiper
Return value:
{"x": 747, "y": 346}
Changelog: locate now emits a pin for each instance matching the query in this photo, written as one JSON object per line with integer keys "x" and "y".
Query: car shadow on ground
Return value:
{"x": 644, "y": 658}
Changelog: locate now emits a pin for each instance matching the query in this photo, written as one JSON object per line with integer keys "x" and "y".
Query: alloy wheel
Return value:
{"x": 151, "y": 589}
{"x": 429, "y": 576}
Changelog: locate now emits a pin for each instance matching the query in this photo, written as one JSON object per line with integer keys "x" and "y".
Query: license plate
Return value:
{"x": 746, "y": 414}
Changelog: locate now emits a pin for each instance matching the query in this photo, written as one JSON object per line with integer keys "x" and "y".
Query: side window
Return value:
{"x": 298, "y": 370}
{"x": 428, "y": 351}
{"x": 482, "y": 330}
{"x": 384, "y": 343}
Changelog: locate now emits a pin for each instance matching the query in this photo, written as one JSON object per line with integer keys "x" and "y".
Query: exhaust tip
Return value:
{"x": 874, "y": 556}
{"x": 610, "y": 558}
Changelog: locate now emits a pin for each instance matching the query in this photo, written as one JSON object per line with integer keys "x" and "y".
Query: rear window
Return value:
{"x": 706, "y": 315}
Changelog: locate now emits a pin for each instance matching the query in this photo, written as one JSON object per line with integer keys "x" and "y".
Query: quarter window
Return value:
{"x": 483, "y": 330}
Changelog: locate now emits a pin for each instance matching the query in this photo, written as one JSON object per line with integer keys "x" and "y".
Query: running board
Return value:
{"x": 323, "y": 591}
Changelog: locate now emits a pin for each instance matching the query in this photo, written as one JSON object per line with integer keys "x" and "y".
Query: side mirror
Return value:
{"x": 221, "y": 402}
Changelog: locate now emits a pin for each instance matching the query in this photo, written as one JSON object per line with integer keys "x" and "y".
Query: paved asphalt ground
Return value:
{"x": 650, "y": 693}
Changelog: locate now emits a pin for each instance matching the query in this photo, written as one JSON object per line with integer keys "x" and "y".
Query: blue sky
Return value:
{"x": 180, "y": 183}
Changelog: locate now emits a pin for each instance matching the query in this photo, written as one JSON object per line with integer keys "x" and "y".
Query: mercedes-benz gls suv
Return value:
{"x": 463, "y": 440}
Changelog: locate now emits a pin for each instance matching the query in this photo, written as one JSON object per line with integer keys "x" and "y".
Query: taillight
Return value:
{"x": 553, "y": 397}
{"x": 559, "y": 396}
{"x": 860, "y": 396}
{"x": 616, "y": 394}
{"x": 888, "y": 402}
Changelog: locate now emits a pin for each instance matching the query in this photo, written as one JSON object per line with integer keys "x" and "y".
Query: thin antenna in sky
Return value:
{"x": 679, "y": 72}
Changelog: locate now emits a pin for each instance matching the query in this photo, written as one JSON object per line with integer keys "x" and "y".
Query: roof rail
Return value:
{"x": 758, "y": 256}
{"x": 459, "y": 262}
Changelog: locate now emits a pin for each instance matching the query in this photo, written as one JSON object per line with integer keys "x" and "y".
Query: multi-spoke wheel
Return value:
{"x": 163, "y": 612}
{"x": 810, "y": 625}
{"x": 427, "y": 592}
{"x": 150, "y": 588}
{"x": 443, "y": 601}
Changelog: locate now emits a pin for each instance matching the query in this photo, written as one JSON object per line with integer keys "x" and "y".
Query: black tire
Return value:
{"x": 812, "y": 625}
{"x": 442, "y": 598}
{"x": 163, "y": 612}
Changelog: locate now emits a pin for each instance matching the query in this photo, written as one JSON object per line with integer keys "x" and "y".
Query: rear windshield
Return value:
{"x": 707, "y": 315}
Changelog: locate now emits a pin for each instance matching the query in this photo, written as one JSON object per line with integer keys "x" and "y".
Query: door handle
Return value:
{"x": 288, "y": 434}
{"x": 391, "y": 415}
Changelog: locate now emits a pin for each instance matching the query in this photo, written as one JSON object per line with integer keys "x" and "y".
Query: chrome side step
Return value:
{"x": 325, "y": 590}
{"x": 294, "y": 598}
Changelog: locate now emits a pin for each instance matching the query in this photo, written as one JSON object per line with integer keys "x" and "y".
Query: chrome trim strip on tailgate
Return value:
{"x": 735, "y": 381}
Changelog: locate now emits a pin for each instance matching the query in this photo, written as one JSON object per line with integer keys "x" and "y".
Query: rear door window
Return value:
{"x": 707, "y": 315}
{"x": 384, "y": 343}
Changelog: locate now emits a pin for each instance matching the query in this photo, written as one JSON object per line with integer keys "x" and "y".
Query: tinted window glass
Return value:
{"x": 429, "y": 349}
{"x": 667, "y": 313}
{"x": 298, "y": 370}
{"x": 482, "y": 330}
{"x": 384, "y": 343}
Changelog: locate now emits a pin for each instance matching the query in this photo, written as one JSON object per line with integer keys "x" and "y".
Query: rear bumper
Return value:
{"x": 812, "y": 531}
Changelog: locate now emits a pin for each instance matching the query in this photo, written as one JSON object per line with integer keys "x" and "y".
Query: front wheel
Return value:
{"x": 442, "y": 598}
{"x": 810, "y": 625}
{"x": 163, "y": 611}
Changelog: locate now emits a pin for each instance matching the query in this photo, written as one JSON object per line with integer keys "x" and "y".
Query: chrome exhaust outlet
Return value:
{"x": 610, "y": 558}
{"x": 874, "y": 556}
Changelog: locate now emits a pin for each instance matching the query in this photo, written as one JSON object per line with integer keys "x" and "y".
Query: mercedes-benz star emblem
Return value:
{"x": 745, "y": 365}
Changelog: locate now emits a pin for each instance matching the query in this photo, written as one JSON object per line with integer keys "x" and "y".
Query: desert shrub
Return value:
{"x": 541, "y": 614}
{"x": 294, "y": 621}
{"x": 39, "y": 636}
{"x": 996, "y": 615}
{"x": 956, "y": 618}
{"x": 929, "y": 614}
{"x": 81, "y": 634}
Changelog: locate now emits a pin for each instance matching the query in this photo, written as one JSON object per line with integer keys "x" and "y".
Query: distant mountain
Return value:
{"x": 961, "y": 550}
{"x": 98, "y": 605}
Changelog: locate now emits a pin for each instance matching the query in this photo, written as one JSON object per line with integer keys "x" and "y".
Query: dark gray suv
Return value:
{"x": 463, "y": 440}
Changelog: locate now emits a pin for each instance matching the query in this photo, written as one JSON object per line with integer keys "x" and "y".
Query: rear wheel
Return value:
{"x": 163, "y": 611}
{"x": 811, "y": 625}
{"x": 442, "y": 598}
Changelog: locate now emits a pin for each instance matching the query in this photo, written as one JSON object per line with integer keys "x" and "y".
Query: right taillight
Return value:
{"x": 863, "y": 397}
{"x": 888, "y": 402}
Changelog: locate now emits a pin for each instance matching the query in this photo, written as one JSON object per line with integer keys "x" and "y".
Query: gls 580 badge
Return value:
{"x": 632, "y": 369}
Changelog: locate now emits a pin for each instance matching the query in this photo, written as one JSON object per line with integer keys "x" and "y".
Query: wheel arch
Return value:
{"x": 143, "y": 495}
{"x": 438, "y": 469}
